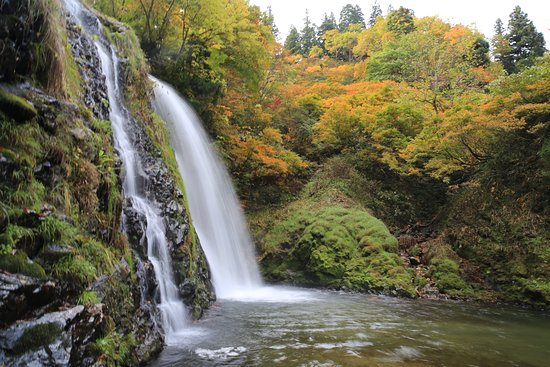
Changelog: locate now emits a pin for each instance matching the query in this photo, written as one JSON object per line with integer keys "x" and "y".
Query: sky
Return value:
{"x": 480, "y": 13}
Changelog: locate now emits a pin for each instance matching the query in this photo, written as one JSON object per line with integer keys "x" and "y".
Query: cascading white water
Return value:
{"x": 173, "y": 313}
{"x": 214, "y": 206}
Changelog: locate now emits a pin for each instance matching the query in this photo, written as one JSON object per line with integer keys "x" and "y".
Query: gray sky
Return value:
{"x": 480, "y": 13}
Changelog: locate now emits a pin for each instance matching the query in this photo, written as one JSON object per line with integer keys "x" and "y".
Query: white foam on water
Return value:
{"x": 271, "y": 295}
{"x": 221, "y": 354}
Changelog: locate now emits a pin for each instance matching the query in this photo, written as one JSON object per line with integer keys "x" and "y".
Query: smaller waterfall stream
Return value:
{"x": 214, "y": 206}
{"x": 173, "y": 313}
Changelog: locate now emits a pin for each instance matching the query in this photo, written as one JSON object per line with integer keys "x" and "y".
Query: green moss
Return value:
{"x": 36, "y": 337}
{"x": 20, "y": 263}
{"x": 75, "y": 269}
{"x": 446, "y": 273}
{"x": 537, "y": 290}
{"x": 337, "y": 247}
{"x": 16, "y": 107}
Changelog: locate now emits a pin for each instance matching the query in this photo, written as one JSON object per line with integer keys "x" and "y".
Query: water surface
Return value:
{"x": 324, "y": 328}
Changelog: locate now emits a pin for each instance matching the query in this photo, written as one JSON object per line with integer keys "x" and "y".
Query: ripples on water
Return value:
{"x": 310, "y": 328}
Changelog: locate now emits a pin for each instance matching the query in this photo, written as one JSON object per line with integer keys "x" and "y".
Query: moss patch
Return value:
{"x": 36, "y": 337}
{"x": 446, "y": 274}
{"x": 16, "y": 107}
{"x": 20, "y": 263}
{"x": 336, "y": 247}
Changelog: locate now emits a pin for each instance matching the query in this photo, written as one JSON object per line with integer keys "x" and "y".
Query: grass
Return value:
{"x": 88, "y": 297}
{"x": 54, "y": 230}
{"x": 115, "y": 348}
{"x": 14, "y": 233}
{"x": 97, "y": 253}
{"x": 55, "y": 66}
{"x": 75, "y": 269}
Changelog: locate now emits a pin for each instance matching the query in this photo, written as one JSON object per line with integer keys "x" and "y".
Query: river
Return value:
{"x": 327, "y": 328}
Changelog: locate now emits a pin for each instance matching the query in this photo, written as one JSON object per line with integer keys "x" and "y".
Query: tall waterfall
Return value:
{"x": 173, "y": 313}
{"x": 214, "y": 206}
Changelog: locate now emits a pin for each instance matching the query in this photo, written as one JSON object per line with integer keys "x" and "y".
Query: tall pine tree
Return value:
{"x": 525, "y": 42}
{"x": 293, "y": 41}
{"x": 375, "y": 12}
{"x": 328, "y": 23}
{"x": 501, "y": 48}
{"x": 308, "y": 36}
{"x": 349, "y": 15}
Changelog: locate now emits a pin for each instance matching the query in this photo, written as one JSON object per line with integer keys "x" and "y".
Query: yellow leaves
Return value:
{"x": 314, "y": 69}
{"x": 272, "y": 135}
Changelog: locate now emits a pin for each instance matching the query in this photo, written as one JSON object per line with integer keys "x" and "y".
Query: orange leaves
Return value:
{"x": 457, "y": 34}
{"x": 259, "y": 158}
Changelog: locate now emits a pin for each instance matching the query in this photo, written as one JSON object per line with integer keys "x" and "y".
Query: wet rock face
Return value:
{"x": 86, "y": 57}
{"x": 195, "y": 286}
{"x": 20, "y": 295}
{"x": 18, "y": 32}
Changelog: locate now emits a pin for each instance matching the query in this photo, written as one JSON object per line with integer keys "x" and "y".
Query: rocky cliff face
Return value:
{"x": 74, "y": 289}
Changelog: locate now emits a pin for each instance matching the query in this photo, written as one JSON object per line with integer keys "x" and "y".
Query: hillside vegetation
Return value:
{"x": 443, "y": 143}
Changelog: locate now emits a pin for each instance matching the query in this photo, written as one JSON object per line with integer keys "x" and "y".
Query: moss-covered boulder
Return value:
{"x": 337, "y": 247}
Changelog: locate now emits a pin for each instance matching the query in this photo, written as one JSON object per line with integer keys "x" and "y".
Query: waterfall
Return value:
{"x": 214, "y": 206}
{"x": 172, "y": 309}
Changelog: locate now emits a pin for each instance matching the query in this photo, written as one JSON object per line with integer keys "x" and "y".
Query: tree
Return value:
{"x": 308, "y": 36}
{"x": 524, "y": 41}
{"x": 349, "y": 15}
{"x": 501, "y": 48}
{"x": 480, "y": 56}
{"x": 269, "y": 20}
{"x": 293, "y": 42}
{"x": 376, "y": 12}
{"x": 328, "y": 24}
{"x": 401, "y": 21}
{"x": 340, "y": 44}
{"x": 437, "y": 59}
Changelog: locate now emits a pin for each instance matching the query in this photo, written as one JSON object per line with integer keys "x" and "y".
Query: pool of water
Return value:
{"x": 326, "y": 328}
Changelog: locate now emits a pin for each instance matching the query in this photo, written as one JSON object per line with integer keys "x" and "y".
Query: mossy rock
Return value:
{"x": 16, "y": 107}
{"x": 446, "y": 273}
{"x": 36, "y": 337}
{"x": 336, "y": 247}
{"x": 20, "y": 263}
{"x": 537, "y": 291}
